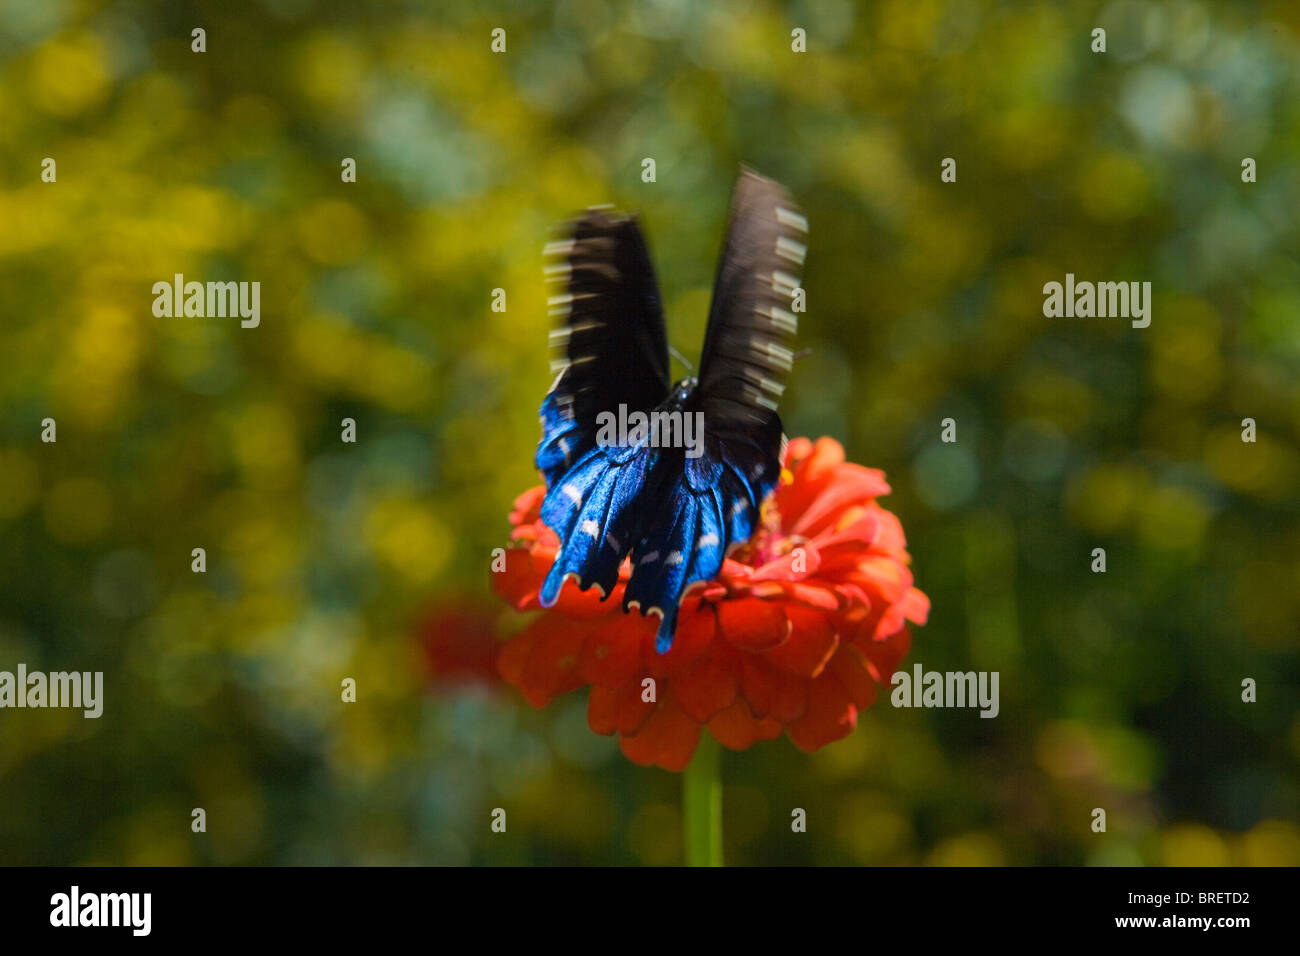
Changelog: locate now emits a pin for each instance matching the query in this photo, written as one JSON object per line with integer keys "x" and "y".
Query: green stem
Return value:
{"x": 702, "y": 804}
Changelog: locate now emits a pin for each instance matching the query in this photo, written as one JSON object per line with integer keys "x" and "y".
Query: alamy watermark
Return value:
{"x": 75, "y": 908}
{"x": 923, "y": 688}
{"x": 658, "y": 429}
{"x": 209, "y": 300}
{"x": 77, "y": 689}
{"x": 1126, "y": 300}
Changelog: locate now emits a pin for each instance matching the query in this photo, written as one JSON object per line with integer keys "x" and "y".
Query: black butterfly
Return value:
{"x": 676, "y": 510}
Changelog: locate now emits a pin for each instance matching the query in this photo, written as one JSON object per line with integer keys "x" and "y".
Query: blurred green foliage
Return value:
{"x": 1119, "y": 690}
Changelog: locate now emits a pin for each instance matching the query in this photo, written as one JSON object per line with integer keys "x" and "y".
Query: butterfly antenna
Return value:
{"x": 802, "y": 353}
{"x": 682, "y": 358}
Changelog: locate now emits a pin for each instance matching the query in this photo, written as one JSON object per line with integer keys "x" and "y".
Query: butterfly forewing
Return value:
{"x": 748, "y": 346}
{"x": 610, "y": 344}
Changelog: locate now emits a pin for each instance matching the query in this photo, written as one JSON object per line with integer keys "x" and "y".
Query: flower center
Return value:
{"x": 769, "y": 541}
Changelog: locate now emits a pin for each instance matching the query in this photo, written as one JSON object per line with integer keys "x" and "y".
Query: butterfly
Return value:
{"x": 675, "y": 511}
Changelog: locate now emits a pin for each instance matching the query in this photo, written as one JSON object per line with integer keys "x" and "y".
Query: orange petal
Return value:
{"x": 849, "y": 539}
{"x": 796, "y": 450}
{"x": 528, "y": 506}
{"x": 771, "y": 692}
{"x": 850, "y": 485}
{"x": 667, "y": 739}
{"x": 621, "y": 709}
{"x": 757, "y": 685}
{"x": 696, "y": 626}
{"x": 736, "y": 728}
{"x": 811, "y": 644}
{"x": 753, "y": 625}
{"x": 890, "y": 536}
{"x": 826, "y": 454}
{"x": 830, "y": 715}
{"x": 883, "y": 657}
{"x": 588, "y": 603}
{"x": 611, "y": 655}
{"x": 707, "y": 687}
{"x": 813, "y": 596}
{"x": 513, "y": 657}
{"x": 782, "y": 568}
{"x": 850, "y": 669}
{"x": 552, "y": 665}
{"x": 519, "y": 583}
{"x": 916, "y": 606}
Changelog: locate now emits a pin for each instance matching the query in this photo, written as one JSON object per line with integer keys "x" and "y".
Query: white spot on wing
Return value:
{"x": 781, "y": 357}
{"x": 590, "y": 527}
{"x": 791, "y": 250}
{"x": 782, "y": 319}
{"x": 572, "y": 493}
{"x": 788, "y": 217}
{"x": 784, "y": 283}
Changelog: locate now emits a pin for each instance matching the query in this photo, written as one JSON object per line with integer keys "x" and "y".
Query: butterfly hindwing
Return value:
{"x": 591, "y": 509}
{"x": 685, "y": 546}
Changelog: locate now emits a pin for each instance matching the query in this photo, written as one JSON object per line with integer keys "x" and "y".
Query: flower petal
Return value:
{"x": 796, "y": 450}
{"x": 830, "y": 715}
{"x": 771, "y": 692}
{"x": 827, "y": 499}
{"x": 518, "y": 584}
{"x": 611, "y": 655}
{"x": 552, "y": 665}
{"x": 850, "y": 669}
{"x": 753, "y": 625}
{"x": 513, "y": 657}
{"x": 620, "y": 709}
{"x": 696, "y": 626}
{"x": 667, "y": 739}
{"x": 916, "y": 606}
{"x": 782, "y": 568}
{"x": 736, "y": 728}
{"x": 528, "y": 506}
{"x": 707, "y": 687}
{"x": 811, "y": 644}
{"x": 883, "y": 657}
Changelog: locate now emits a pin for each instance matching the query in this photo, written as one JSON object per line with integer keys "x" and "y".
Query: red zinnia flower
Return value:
{"x": 799, "y": 630}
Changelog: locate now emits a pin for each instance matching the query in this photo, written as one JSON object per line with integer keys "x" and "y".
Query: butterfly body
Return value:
{"x": 673, "y": 508}
{"x": 681, "y": 394}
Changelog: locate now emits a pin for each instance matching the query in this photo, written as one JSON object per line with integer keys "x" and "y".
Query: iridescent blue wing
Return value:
{"x": 613, "y": 351}
{"x": 686, "y": 541}
{"x": 713, "y": 502}
{"x": 593, "y": 509}
{"x": 610, "y": 338}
